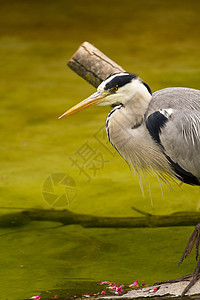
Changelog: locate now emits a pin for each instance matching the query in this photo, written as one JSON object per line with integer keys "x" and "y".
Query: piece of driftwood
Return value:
{"x": 92, "y": 65}
{"x": 67, "y": 217}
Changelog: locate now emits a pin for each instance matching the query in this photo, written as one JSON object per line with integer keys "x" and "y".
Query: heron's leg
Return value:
{"x": 192, "y": 277}
{"x": 194, "y": 237}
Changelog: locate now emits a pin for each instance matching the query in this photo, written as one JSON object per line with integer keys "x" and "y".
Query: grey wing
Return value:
{"x": 178, "y": 133}
{"x": 176, "y": 98}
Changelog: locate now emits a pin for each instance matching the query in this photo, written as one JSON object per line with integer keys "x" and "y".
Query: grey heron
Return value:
{"x": 158, "y": 132}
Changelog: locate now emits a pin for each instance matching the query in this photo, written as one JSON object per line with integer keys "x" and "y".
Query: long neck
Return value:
{"x": 135, "y": 98}
{"x": 136, "y": 102}
{"x": 124, "y": 118}
{"x": 128, "y": 134}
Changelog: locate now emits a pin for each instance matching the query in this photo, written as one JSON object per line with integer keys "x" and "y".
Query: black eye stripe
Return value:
{"x": 119, "y": 81}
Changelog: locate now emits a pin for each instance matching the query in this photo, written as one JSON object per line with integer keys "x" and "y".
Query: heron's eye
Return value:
{"x": 115, "y": 88}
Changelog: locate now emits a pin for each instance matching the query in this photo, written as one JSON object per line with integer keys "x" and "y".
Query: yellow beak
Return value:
{"x": 94, "y": 99}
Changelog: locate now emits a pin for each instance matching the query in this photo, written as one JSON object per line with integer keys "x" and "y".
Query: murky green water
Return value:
{"x": 155, "y": 39}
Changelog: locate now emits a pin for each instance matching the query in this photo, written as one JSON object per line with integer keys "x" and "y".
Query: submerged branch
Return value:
{"x": 67, "y": 217}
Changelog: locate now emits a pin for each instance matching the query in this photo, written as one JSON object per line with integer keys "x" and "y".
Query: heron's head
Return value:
{"x": 116, "y": 89}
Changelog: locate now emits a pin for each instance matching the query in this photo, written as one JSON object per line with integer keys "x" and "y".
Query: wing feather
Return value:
{"x": 180, "y": 135}
{"x": 180, "y": 138}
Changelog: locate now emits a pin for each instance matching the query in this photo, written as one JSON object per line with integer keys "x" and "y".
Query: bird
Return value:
{"x": 157, "y": 132}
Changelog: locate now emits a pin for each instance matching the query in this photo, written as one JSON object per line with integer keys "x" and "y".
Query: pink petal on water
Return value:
{"x": 103, "y": 282}
{"x": 35, "y": 297}
{"x": 134, "y": 284}
{"x": 119, "y": 288}
{"x": 112, "y": 287}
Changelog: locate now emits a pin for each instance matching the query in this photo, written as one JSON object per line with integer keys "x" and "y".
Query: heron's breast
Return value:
{"x": 135, "y": 144}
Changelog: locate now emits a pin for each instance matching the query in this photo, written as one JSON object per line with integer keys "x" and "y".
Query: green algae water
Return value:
{"x": 54, "y": 164}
